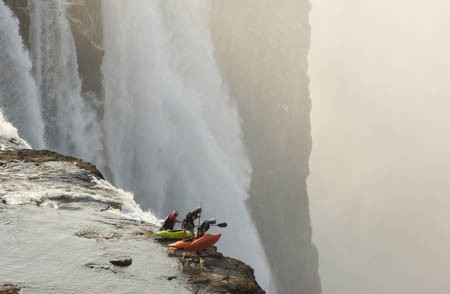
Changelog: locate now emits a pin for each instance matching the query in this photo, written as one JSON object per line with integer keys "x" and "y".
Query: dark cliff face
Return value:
{"x": 85, "y": 17}
{"x": 20, "y": 8}
{"x": 262, "y": 48}
{"x": 87, "y": 27}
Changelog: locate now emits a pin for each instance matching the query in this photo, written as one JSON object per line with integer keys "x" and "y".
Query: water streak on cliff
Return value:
{"x": 18, "y": 92}
{"x": 71, "y": 125}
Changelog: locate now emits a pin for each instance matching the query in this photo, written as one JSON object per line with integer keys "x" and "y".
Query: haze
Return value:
{"x": 379, "y": 184}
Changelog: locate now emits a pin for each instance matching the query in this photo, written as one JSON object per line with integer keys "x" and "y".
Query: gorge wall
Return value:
{"x": 262, "y": 47}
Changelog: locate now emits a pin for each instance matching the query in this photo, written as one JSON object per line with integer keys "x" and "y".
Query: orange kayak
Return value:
{"x": 202, "y": 243}
{"x": 181, "y": 244}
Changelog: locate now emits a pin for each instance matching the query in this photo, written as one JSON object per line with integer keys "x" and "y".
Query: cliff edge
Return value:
{"x": 67, "y": 230}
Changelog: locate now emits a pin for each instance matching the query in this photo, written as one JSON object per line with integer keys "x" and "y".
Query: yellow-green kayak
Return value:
{"x": 173, "y": 234}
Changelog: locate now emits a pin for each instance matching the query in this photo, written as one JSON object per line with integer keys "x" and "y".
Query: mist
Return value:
{"x": 379, "y": 184}
{"x": 261, "y": 47}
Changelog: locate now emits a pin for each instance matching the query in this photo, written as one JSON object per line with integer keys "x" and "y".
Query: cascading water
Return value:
{"x": 71, "y": 125}
{"x": 19, "y": 97}
{"x": 172, "y": 134}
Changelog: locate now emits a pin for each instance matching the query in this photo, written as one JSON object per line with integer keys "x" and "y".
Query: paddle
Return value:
{"x": 222, "y": 225}
{"x": 200, "y": 217}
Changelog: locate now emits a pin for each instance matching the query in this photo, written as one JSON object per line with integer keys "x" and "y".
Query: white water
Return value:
{"x": 17, "y": 187}
{"x": 18, "y": 93}
{"x": 172, "y": 134}
{"x": 9, "y": 138}
{"x": 53, "y": 185}
{"x": 71, "y": 125}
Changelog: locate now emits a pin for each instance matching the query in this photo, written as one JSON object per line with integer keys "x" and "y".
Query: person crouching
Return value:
{"x": 170, "y": 221}
{"x": 201, "y": 230}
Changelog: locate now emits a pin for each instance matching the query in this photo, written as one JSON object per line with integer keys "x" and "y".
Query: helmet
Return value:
{"x": 199, "y": 209}
{"x": 212, "y": 220}
{"x": 175, "y": 212}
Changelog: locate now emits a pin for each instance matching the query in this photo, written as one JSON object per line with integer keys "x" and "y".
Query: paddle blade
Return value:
{"x": 222, "y": 225}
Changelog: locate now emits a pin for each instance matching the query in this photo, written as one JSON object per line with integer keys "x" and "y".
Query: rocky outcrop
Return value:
{"x": 211, "y": 272}
{"x": 9, "y": 289}
{"x": 41, "y": 156}
{"x": 208, "y": 271}
{"x": 51, "y": 177}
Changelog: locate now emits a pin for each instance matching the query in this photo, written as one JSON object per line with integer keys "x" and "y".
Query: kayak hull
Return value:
{"x": 202, "y": 243}
{"x": 180, "y": 244}
{"x": 173, "y": 234}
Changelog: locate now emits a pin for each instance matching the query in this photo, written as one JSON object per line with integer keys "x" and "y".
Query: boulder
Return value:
{"x": 121, "y": 261}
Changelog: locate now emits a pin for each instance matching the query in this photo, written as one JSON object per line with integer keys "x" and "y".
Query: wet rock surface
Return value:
{"x": 65, "y": 251}
{"x": 59, "y": 217}
{"x": 41, "y": 156}
{"x": 47, "y": 178}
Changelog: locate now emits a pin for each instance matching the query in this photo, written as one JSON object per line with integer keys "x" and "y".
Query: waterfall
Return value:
{"x": 19, "y": 97}
{"x": 71, "y": 125}
{"x": 172, "y": 134}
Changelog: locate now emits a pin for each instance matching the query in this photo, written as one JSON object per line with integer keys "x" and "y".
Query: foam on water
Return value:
{"x": 56, "y": 182}
{"x": 8, "y": 133}
{"x": 130, "y": 208}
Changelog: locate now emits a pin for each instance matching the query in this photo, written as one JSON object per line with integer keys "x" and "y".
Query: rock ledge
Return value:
{"x": 211, "y": 272}
{"x": 40, "y": 156}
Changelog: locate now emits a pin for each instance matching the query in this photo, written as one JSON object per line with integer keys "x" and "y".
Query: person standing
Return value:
{"x": 188, "y": 222}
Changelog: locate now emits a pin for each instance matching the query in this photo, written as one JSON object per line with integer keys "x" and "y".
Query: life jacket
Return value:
{"x": 169, "y": 222}
{"x": 203, "y": 228}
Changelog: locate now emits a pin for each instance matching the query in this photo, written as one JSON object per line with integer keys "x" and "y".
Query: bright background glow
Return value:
{"x": 379, "y": 184}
